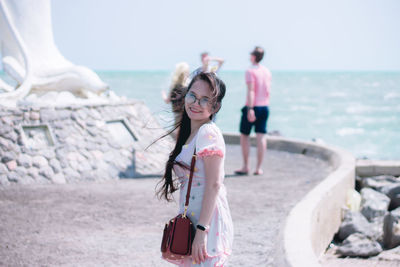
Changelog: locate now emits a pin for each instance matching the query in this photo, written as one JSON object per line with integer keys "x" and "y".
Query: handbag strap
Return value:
{"x": 190, "y": 181}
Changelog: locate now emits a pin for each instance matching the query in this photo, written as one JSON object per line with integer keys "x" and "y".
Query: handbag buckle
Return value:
{"x": 184, "y": 213}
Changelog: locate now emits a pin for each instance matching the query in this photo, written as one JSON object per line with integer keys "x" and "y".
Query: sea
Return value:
{"x": 356, "y": 111}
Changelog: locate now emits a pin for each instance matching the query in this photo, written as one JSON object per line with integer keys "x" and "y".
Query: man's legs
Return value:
{"x": 245, "y": 144}
{"x": 245, "y": 129}
{"x": 261, "y": 148}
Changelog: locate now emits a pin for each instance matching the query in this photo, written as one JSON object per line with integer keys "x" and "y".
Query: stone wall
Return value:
{"x": 80, "y": 143}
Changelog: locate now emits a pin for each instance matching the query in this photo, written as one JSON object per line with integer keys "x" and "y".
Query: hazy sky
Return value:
{"x": 297, "y": 35}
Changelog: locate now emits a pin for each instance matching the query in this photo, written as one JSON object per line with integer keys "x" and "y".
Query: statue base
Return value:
{"x": 96, "y": 142}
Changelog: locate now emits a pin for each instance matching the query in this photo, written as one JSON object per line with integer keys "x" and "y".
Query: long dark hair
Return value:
{"x": 218, "y": 89}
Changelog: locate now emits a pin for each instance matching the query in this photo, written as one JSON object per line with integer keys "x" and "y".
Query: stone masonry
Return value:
{"x": 80, "y": 143}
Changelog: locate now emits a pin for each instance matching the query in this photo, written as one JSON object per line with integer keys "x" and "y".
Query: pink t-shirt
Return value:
{"x": 260, "y": 77}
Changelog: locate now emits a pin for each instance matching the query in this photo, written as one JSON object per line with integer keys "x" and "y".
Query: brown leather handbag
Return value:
{"x": 179, "y": 231}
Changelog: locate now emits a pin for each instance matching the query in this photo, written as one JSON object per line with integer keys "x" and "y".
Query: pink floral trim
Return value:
{"x": 206, "y": 152}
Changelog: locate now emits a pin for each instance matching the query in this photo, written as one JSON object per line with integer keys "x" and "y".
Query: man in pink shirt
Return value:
{"x": 256, "y": 111}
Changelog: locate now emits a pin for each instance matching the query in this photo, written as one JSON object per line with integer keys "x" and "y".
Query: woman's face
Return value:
{"x": 198, "y": 101}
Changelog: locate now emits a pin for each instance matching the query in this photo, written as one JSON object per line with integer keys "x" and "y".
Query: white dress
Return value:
{"x": 208, "y": 141}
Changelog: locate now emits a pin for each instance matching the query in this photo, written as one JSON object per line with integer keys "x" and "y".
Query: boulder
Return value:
{"x": 39, "y": 161}
{"x": 378, "y": 182}
{"x": 373, "y": 203}
{"x": 359, "y": 245}
{"x": 377, "y": 229}
{"x": 393, "y": 192}
{"x": 354, "y": 222}
{"x": 391, "y": 229}
{"x": 24, "y": 160}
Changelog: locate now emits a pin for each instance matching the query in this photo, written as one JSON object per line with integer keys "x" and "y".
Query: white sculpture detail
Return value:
{"x": 31, "y": 58}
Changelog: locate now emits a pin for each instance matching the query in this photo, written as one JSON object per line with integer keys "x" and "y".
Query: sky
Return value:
{"x": 296, "y": 35}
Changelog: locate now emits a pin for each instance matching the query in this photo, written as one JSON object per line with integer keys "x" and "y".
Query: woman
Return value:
{"x": 177, "y": 89}
{"x": 208, "y": 207}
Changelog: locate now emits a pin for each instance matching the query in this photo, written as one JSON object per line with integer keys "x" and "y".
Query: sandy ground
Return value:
{"x": 119, "y": 223}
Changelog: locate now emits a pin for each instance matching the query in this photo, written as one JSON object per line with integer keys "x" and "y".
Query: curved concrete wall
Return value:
{"x": 312, "y": 223}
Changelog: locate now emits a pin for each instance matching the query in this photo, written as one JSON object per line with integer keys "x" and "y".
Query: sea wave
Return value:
{"x": 391, "y": 95}
{"x": 349, "y": 131}
{"x": 338, "y": 94}
{"x": 303, "y": 108}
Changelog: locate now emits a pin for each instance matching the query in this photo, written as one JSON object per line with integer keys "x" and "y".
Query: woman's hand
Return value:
{"x": 199, "y": 247}
{"x": 251, "y": 117}
{"x": 165, "y": 97}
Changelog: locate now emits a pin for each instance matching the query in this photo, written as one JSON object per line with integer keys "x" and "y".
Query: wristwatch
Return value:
{"x": 249, "y": 108}
{"x": 203, "y": 228}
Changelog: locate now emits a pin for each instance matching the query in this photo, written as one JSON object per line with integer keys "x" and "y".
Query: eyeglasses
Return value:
{"x": 190, "y": 98}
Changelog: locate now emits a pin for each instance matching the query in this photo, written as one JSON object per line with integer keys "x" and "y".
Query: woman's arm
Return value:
{"x": 213, "y": 182}
{"x": 166, "y": 98}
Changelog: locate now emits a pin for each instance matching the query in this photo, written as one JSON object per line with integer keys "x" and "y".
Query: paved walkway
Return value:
{"x": 119, "y": 223}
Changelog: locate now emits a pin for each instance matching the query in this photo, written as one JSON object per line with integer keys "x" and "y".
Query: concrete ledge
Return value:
{"x": 312, "y": 223}
{"x": 366, "y": 168}
{"x": 293, "y": 146}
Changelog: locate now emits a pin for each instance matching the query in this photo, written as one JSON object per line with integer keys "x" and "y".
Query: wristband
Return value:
{"x": 203, "y": 228}
{"x": 249, "y": 108}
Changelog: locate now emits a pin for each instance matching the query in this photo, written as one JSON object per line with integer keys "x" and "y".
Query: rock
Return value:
{"x": 48, "y": 114}
{"x": 4, "y": 129}
{"x": 111, "y": 156}
{"x": 391, "y": 229}
{"x": 62, "y": 134}
{"x": 377, "y": 229}
{"x": 373, "y": 203}
{"x": 11, "y": 165}
{"x": 393, "y": 192}
{"x": 89, "y": 145}
{"x": 84, "y": 166}
{"x": 8, "y": 156}
{"x": 46, "y": 172}
{"x": 34, "y": 115}
{"x": 33, "y": 172}
{"x": 48, "y": 153}
{"x": 70, "y": 174}
{"x": 22, "y": 172}
{"x": 3, "y": 169}
{"x": 55, "y": 164}
{"x": 7, "y": 120}
{"x": 354, "y": 222}
{"x": 113, "y": 171}
{"x": 75, "y": 156}
{"x": 58, "y": 178}
{"x": 63, "y": 114}
{"x": 4, "y": 180}
{"x": 93, "y": 131}
{"x": 39, "y": 161}
{"x": 6, "y": 144}
{"x": 13, "y": 177}
{"x": 378, "y": 182}
{"x": 24, "y": 160}
{"x": 359, "y": 245}
{"x": 11, "y": 136}
{"x": 59, "y": 124}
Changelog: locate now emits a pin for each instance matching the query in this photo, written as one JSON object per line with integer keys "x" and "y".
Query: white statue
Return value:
{"x": 31, "y": 58}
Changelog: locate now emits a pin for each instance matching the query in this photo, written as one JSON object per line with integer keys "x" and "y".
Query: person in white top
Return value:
{"x": 208, "y": 207}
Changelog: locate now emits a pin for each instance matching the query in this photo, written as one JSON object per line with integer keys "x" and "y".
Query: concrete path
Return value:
{"x": 119, "y": 223}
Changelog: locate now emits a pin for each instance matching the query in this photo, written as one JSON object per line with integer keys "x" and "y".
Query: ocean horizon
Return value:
{"x": 358, "y": 111}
